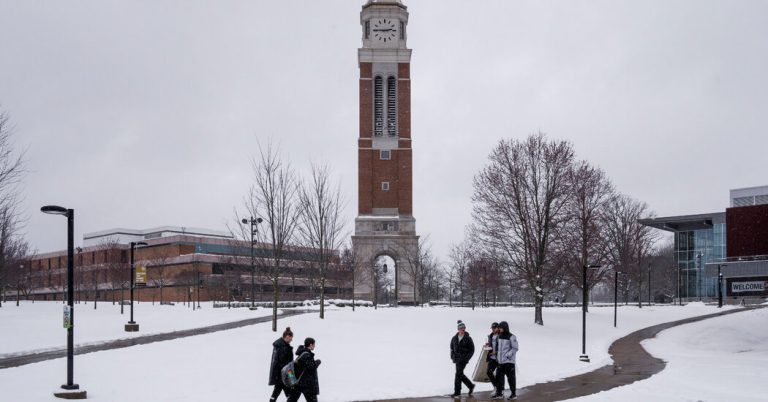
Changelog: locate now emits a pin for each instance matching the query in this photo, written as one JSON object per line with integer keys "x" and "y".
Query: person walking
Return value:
{"x": 306, "y": 370}
{"x": 282, "y": 354}
{"x": 491, "y": 358}
{"x": 462, "y": 349}
{"x": 506, "y": 355}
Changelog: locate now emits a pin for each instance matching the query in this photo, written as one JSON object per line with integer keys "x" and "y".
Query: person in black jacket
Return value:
{"x": 282, "y": 354}
{"x": 306, "y": 370}
{"x": 462, "y": 349}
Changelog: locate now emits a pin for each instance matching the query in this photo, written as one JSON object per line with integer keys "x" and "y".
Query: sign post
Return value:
{"x": 67, "y": 317}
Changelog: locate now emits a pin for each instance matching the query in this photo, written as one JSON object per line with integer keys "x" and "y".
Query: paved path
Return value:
{"x": 630, "y": 363}
{"x": 34, "y": 357}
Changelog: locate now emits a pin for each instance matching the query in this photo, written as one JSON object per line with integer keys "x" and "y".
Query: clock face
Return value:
{"x": 384, "y": 30}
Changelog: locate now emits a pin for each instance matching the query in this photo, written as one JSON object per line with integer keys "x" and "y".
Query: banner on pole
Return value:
{"x": 141, "y": 275}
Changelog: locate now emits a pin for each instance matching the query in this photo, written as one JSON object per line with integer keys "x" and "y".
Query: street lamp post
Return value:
{"x": 615, "y": 295}
{"x": 253, "y": 222}
{"x": 698, "y": 277}
{"x": 719, "y": 285}
{"x": 649, "y": 283}
{"x": 198, "y": 289}
{"x": 69, "y": 308}
{"x": 132, "y": 326}
{"x": 584, "y": 356}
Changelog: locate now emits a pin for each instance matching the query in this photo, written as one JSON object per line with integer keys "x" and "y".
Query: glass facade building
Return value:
{"x": 698, "y": 240}
{"x": 693, "y": 250}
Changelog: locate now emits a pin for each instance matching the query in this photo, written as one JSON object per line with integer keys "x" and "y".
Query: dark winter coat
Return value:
{"x": 306, "y": 368}
{"x": 282, "y": 354}
{"x": 507, "y": 345}
{"x": 462, "y": 351}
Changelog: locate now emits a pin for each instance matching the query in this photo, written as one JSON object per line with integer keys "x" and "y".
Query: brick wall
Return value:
{"x": 747, "y": 231}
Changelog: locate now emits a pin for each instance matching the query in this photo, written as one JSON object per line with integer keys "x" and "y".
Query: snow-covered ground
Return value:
{"x": 368, "y": 354}
{"x": 721, "y": 359}
{"x": 39, "y": 325}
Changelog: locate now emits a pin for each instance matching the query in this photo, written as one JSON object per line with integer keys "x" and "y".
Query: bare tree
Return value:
{"x": 273, "y": 197}
{"x": 352, "y": 265}
{"x": 583, "y": 238}
{"x": 520, "y": 201}
{"x": 11, "y": 220}
{"x": 419, "y": 261}
{"x": 629, "y": 242}
{"x": 321, "y": 220}
{"x": 459, "y": 269}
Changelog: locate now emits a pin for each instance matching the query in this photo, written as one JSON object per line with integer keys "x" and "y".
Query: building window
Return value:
{"x": 385, "y": 186}
{"x": 378, "y": 106}
{"x": 384, "y": 155}
{"x": 392, "y": 106}
{"x": 402, "y": 30}
{"x": 367, "y": 29}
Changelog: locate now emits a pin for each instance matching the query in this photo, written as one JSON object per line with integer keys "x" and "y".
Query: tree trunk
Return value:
{"x": 538, "y": 306}
{"x": 275, "y": 296}
{"x": 322, "y": 296}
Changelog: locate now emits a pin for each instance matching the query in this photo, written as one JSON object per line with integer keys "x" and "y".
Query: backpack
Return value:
{"x": 288, "y": 373}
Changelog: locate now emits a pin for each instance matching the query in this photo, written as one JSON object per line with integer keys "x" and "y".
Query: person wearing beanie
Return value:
{"x": 506, "y": 355}
{"x": 462, "y": 349}
{"x": 492, "y": 347}
{"x": 282, "y": 354}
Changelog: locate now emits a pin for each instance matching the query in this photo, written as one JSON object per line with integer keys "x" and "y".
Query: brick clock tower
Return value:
{"x": 385, "y": 225}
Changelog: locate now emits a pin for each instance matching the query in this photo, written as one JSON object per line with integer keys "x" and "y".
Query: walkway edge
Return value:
{"x": 35, "y": 357}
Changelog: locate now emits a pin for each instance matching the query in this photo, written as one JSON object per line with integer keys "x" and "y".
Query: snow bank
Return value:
{"x": 38, "y": 326}
{"x": 367, "y": 354}
{"x": 720, "y": 359}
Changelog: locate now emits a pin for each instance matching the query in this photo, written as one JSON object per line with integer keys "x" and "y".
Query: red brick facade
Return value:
{"x": 372, "y": 170}
{"x": 747, "y": 231}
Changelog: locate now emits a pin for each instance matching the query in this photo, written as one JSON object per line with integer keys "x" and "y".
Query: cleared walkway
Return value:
{"x": 631, "y": 363}
{"x": 29, "y": 358}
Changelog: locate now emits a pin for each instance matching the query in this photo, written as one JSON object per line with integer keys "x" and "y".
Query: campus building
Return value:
{"x": 179, "y": 263}
{"x": 734, "y": 242}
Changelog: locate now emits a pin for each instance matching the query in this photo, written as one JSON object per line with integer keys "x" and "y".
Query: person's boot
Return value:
{"x": 471, "y": 389}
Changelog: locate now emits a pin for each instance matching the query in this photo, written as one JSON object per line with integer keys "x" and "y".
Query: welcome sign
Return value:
{"x": 747, "y": 286}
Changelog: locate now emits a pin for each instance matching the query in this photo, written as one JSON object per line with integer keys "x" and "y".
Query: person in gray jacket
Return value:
{"x": 506, "y": 356}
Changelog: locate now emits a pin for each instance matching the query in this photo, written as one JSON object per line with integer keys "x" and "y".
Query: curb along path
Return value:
{"x": 630, "y": 363}
{"x": 34, "y": 357}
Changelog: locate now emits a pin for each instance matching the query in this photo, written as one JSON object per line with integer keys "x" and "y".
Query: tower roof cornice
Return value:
{"x": 397, "y": 3}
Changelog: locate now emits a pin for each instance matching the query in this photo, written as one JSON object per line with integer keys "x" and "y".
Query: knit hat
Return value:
{"x": 460, "y": 325}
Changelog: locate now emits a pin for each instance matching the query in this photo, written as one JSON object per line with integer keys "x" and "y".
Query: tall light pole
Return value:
{"x": 584, "y": 356}
{"x": 615, "y": 295}
{"x": 132, "y": 326}
{"x": 649, "y": 283}
{"x": 720, "y": 285}
{"x": 253, "y": 222}
{"x": 698, "y": 277}
{"x": 69, "y": 308}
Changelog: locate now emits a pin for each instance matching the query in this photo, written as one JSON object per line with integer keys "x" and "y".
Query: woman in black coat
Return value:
{"x": 282, "y": 354}
{"x": 306, "y": 370}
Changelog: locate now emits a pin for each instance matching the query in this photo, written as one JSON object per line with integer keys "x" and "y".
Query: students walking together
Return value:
{"x": 282, "y": 354}
{"x": 462, "y": 349}
{"x": 506, "y": 354}
{"x": 306, "y": 371}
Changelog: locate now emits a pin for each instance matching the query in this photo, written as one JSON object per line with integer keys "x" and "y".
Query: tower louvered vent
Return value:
{"x": 392, "y": 106}
{"x": 378, "y": 107}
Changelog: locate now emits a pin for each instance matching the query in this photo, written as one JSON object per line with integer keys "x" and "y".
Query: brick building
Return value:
{"x": 175, "y": 260}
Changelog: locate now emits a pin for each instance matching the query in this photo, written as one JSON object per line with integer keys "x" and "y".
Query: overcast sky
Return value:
{"x": 145, "y": 113}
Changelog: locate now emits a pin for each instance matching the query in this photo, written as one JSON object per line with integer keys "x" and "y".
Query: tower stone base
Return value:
{"x": 392, "y": 236}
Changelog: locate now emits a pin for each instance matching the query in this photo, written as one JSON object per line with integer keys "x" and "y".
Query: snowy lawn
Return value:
{"x": 367, "y": 354}
{"x": 38, "y": 326}
{"x": 721, "y": 359}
